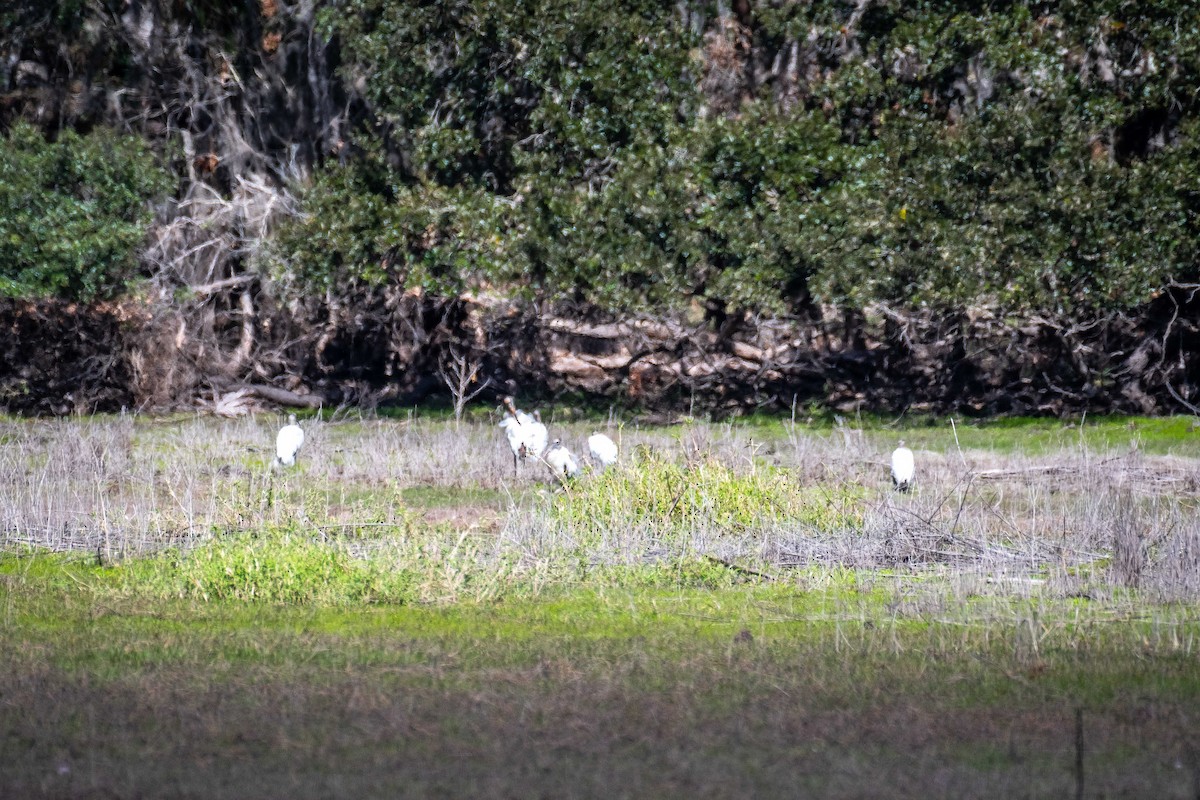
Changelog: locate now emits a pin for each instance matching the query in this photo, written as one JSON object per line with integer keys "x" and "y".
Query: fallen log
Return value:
{"x": 283, "y": 397}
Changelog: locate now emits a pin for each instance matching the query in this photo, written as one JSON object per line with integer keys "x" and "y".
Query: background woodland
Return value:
{"x": 978, "y": 207}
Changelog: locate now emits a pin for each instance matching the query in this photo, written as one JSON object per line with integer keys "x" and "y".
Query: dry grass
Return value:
{"x": 1077, "y": 520}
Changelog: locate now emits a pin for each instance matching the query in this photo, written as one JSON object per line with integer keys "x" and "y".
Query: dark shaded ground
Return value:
{"x": 557, "y": 730}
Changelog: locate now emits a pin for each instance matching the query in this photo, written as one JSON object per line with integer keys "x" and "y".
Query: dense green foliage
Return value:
{"x": 73, "y": 212}
{"x": 1019, "y": 154}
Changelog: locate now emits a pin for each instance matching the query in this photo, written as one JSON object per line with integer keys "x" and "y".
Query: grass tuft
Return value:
{"x": 275, "y": 568}
{"x": 662, "y": 494}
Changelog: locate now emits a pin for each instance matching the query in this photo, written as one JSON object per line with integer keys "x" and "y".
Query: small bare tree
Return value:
{"x": 460, "y": 372}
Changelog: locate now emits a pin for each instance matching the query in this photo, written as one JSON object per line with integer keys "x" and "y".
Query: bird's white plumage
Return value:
{"x": 288, "y": 442}
{"x": 903, "y": 467}
{"x": 526, "y": 434}
{"x": 561, "y": 461}
{"x": 524, "y": 440}
{"x": 512, "y": 432}
{"x": 602, "y": 449}
{"x": 536, "y": 437}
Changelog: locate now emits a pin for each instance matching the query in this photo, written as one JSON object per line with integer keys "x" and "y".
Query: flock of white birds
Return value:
{"x": 529, "y": 439}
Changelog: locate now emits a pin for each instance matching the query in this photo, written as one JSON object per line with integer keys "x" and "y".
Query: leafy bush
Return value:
{"x": 502, "y": 127}
{"x": 1013, "y": 210}
{"x": 358, "y": 231}
{"x": 1026, "y": 158}
{"x": 73, "y": 211}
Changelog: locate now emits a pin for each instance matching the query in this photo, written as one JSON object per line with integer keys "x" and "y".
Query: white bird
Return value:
{"x": 902, "y": 468}
{"x": 288, "y": 442}
{"x": 560, "y": 460}
{"x": 526, "y": 434}
{"x": 516, "y": 438}
{"x": 602, "y": 449}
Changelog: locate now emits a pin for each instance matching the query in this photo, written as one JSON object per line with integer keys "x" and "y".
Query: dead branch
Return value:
{"x": 1180, "y": 399}
{"x": 221, "y": 285}
{"x": 460, "y": 373}
{"x": 246, "y": 341}
{"x": 739, "y": 569}
{"x": 282, "y": 396}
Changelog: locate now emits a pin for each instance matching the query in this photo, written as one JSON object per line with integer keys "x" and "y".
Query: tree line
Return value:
{"x": 314, "y": 190}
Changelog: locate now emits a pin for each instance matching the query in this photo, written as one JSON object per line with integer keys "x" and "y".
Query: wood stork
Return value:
{"x": 602, "y": 449}
{"x": 526, "y": 434}
{"x": 902, "y": 468}
{"x": 288, "y": 442}
{"x": 560, "y": 460}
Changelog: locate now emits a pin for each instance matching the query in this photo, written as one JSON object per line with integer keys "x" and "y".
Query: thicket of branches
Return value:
{"x": 883, "y": 203}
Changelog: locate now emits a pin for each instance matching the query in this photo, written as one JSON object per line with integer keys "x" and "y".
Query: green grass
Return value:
{"x": 632, "y": 683}
{"x": 1172, "y": 435}
{"x": 1159, "y": 436}
{"x": 660, "y": 493}
{"x": 451, "y": 496}
{"x": 44, "y": 597}
{"x": 278, "y": 568}
{"x": 383, "y": 623}
{"x": 1176, "y": 435}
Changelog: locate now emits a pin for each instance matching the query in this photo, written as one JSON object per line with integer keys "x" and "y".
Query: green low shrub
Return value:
{"x": 281, "y": 568}
{"x": 659, "y": 493}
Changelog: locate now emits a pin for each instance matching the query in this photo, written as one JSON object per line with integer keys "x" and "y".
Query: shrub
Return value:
{"x": 277, "y": 567}
{"x": 73, "y": 211}
{"x": 1028, "y": 158}
{"x": 660, "y": 494}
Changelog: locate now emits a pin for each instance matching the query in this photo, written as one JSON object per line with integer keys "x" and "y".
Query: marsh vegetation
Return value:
{"x": 735, "y": 608}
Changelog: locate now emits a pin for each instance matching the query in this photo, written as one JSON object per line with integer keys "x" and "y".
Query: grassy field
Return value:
{"x": 738, "y": 609}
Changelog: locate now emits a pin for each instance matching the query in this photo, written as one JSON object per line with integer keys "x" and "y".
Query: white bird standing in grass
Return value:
{"x": 516, "y": 438}
{"x": 602, "y": 449}
{"x": 526, "y": 434}
{"x": 288, "y": 442}
{"x": 561, "y": 462}
{"x": 902, "y": 468}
